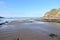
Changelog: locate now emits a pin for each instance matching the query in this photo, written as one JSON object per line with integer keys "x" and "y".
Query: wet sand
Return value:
{"x": 28, "y": 31}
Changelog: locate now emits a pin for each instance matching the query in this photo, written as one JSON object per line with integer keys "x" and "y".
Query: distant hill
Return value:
{"x": 54, "y": 13}
{"x": 1, "y": 17}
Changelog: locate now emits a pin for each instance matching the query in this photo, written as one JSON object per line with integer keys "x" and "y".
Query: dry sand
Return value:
{"x": 28, "y": 31}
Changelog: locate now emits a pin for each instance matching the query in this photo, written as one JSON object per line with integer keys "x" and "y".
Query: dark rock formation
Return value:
{"x": 1, "y": 17}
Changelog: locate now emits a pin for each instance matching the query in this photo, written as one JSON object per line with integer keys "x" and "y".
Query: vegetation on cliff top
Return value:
{"x": 54, "y": 13}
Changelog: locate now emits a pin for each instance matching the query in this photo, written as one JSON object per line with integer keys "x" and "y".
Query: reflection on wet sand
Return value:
{"x": 29, "y": 31}
{"x": 53, "y": 23}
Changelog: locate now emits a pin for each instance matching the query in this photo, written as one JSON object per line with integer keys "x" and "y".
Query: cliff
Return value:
{"x": 52, "y": 14}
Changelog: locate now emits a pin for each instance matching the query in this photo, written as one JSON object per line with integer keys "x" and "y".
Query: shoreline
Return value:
{"x": 49, "y": 20}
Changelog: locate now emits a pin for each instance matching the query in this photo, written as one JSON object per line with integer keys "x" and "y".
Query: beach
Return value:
{"x": 28, "y": 31}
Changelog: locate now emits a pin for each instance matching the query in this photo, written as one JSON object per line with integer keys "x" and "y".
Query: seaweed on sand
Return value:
{"x": 52, "y": 35}
{"x": 17, "y": 38}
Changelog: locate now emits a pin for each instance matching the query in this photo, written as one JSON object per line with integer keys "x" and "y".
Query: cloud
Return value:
{"x": 14, "y": 14}
{"x": 10, "y": 14}
{"x": 6, "y": 14}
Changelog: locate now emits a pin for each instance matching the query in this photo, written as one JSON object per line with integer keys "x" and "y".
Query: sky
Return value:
{"x": 27, "y": 8}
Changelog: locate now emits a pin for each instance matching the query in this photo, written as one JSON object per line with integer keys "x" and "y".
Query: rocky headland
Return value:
{"x": 51, "y": 16}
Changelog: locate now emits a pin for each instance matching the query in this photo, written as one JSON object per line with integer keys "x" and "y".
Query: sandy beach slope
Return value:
{"x": 29, "y": 31}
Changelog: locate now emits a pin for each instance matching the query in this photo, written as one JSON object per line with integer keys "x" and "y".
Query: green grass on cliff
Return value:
{"x": 54, "y": 11}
